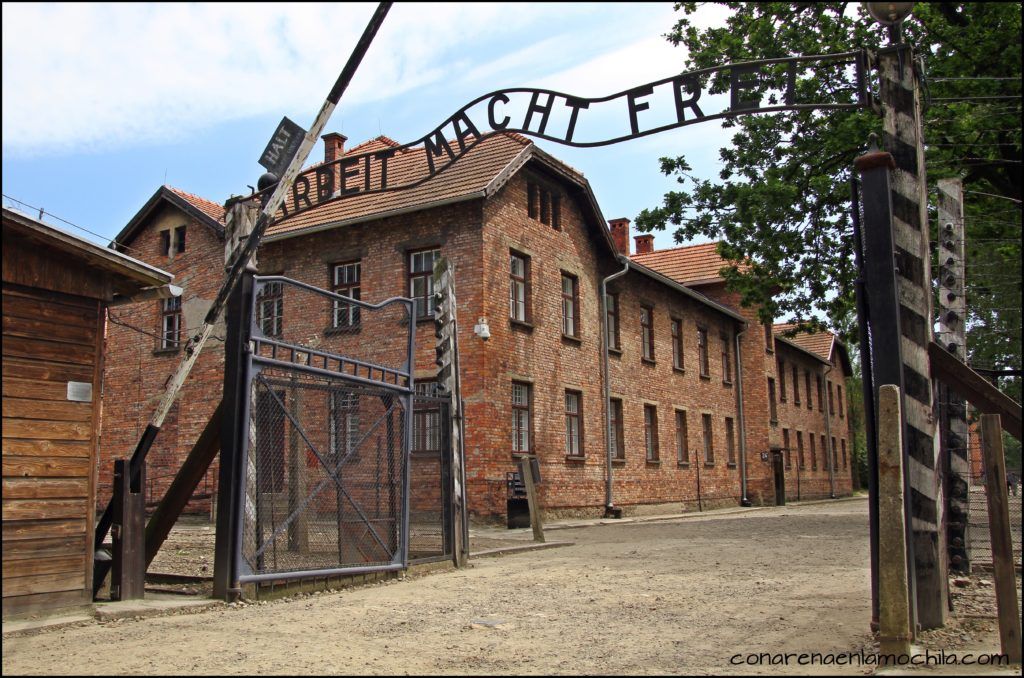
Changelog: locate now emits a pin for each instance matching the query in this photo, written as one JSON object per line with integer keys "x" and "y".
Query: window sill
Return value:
{"x": 648, "y": 361}
{"x": 727, "y": 384}
{"x": 520, "y": 325}
{"x": 618, "y": 462}
{"x": 706, "y": 377}
{"x": 683, "y": 464}
{"x": 678, "y": 370}
{"x": 653, "y": 462}
{"x": 575, "y": 457}
{"x": 774, "y": 422}
{"x": 731, "y": 464}
{"x": 424, "y": 319}
{"x": 614, "y": 351}
{"x": 571, "y": 339}
{"x": 709, "y": 464}
{"x": 335, "y": 331}
{"x": 167, "y": 351}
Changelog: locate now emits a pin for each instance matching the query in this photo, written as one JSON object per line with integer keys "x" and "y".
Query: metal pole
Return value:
{"x": 233, "y": 427}
{"x": 883, "y": 300}
{"x": 609, "y": 434}
{"x": 868, "y": 394}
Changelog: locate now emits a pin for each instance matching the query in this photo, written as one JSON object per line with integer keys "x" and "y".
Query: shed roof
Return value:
{"x": 132, "y": 275}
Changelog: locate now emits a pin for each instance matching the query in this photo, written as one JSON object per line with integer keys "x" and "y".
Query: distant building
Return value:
{"x": 530, "y": 249}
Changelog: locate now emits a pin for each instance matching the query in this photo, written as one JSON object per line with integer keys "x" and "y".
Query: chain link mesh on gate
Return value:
{"x": 329, "y": 464}
{"x": 978, "y": 532}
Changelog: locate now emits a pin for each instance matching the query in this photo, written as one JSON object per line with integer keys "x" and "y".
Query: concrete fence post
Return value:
{"x": 893, "y": 593}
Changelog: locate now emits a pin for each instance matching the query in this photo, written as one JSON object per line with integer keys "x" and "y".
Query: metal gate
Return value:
{"x": 325, "y": 467}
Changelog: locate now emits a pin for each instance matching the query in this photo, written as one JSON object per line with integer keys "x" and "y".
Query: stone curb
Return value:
{"x": 525, "y": 548}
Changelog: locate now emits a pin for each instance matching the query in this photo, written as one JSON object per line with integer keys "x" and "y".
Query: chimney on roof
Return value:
{"x": 620, "y": 234}
{"x": 644, "y": 243}
{"x": 334, "y": 146}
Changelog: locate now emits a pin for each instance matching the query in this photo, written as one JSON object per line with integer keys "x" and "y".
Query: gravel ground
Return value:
{"x": 645, "y": 598}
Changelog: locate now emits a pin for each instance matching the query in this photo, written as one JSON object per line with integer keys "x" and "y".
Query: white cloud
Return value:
{"x": 87, "y": 76}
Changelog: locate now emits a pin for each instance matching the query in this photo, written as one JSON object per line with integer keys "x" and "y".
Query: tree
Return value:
{"x": 782, "y": 198}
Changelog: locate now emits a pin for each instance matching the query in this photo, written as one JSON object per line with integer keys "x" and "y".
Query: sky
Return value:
{"x": 104, "y": 103}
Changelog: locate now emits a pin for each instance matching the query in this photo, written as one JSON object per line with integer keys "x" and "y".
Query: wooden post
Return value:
{"x": 999, "y": 530}
{"x": 893, "y": 595}
{"x": 128, "y": 578}
{"x": 952, "y": 336}
{"x": 526, "y": 473}
{"x": 900, "y": 98}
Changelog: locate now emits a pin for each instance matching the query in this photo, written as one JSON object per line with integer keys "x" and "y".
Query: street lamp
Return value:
{"x": 890, "y": 14}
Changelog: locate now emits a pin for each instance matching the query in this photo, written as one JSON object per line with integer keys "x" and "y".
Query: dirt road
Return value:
{"x": 664, "y": 597}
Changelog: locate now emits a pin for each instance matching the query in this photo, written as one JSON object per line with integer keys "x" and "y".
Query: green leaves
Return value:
{"x": 781, "y": 200}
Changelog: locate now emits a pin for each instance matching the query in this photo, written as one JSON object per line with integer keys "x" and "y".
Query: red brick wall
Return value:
{"x": 536, "y": 354}
{"x": 638, "y": 382}
{"x": 811, "y": 482}
{"x": 136, "y": 371}
{"x": 477, "y": 237}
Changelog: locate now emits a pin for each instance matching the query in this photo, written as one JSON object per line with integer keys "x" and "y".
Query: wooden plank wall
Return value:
{"x": 49, "y": 446}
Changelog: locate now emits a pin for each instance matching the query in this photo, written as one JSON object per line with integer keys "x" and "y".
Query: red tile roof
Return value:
{"x": 819, "y": 343}
{"x": 689, "y": 265}
{"x": 207, "y": 207}
{"x": 471, "y": 174}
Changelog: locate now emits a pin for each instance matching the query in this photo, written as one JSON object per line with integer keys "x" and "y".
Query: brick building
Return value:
{"x": 688, "y": 371}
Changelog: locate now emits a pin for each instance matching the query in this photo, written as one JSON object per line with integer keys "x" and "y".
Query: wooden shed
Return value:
{"x": 56, "y": 289}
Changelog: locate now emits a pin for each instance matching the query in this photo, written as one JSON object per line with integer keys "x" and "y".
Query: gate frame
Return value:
{"x": 243, "y": 333}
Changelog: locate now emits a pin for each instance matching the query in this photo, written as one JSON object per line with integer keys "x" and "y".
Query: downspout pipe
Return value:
{"x": 605, "y": 344}
{"x": 744, "y": 500}
{"x": 828, "y": 441}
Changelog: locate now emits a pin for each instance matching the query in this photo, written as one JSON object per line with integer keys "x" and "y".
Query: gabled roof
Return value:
{"x": 130, "y": 275}
{"x": 820, "y": 344}
{"x": 689, "y": 265}
{"x": 686, "y": 291}
{"x": 204, "y": 211}
{"x": 479, "y": 173}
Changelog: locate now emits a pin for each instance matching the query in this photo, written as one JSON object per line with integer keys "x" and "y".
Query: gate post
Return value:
{"x": 128, "y": 575}
{"x": 235, "y": 426}
{"x": 882, "y": 298}
{"x": 899, "y": 93}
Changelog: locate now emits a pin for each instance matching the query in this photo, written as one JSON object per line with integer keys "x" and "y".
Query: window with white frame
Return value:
{"x": 520, "y": 417}
{"x": 170, "y": 323}
{"x": 421, "y": 280}
{"x": 346, "y": 280}
{"x": 573, "y": 424}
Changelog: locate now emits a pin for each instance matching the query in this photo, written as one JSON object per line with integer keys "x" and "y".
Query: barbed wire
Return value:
{"x": 43, "y": 212}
